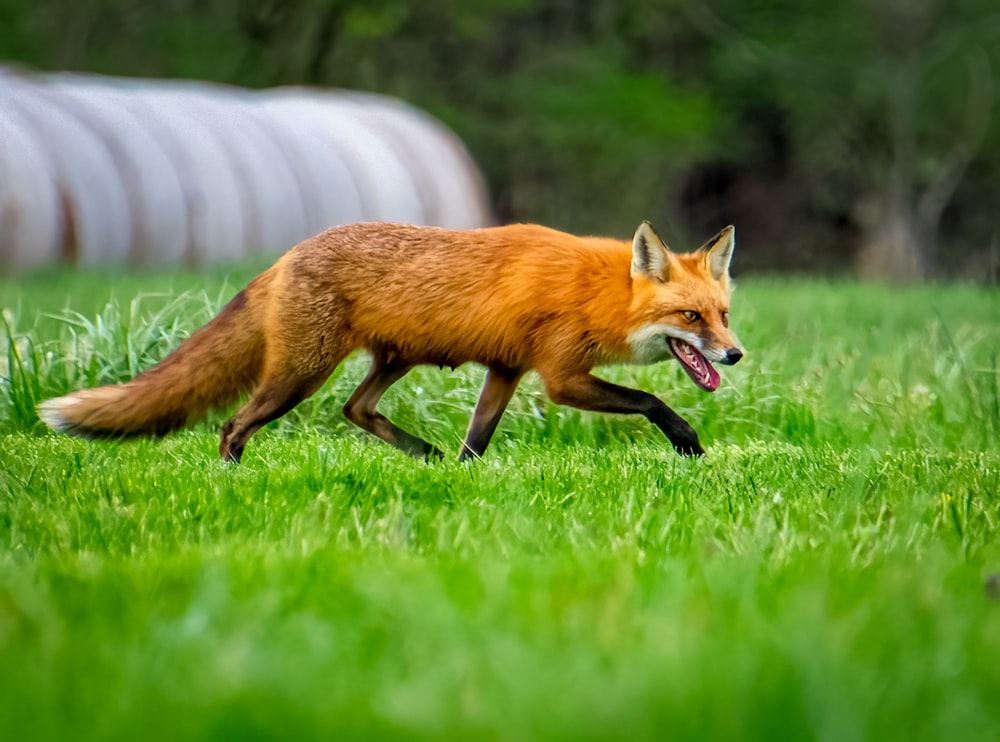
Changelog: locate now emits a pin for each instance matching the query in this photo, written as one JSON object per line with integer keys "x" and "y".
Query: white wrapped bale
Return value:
{"x": 450, "y": 186}
{"x": 152, "y": 186}
{"x": 387, "y": 189}
{"x": 99, "y": 228}
{"x": 31, "y": 217}
{"x": 271, "y": 200}
{"x": 328, "y": 187}
{"x": 97, "y": 169}
{"x": 210, "y": 182}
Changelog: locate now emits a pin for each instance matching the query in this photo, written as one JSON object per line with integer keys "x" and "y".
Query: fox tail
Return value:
{"x": 210, "y": 369}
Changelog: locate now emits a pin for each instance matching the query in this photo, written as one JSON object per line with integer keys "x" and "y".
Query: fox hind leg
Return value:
{"x": 273, "y": 397}
{"x": 361, "y": 408}
{"x": 280, "y": 388}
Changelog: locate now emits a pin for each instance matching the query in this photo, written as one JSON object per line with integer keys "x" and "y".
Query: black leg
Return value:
{"x": 587, "y": 392}
{"x": 270, "y": 400}
{"x": 497, "y": 390}
{"x": 360, "y": 409}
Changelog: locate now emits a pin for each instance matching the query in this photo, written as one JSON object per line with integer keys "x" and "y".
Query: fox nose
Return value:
{"x": 733, "y": 355}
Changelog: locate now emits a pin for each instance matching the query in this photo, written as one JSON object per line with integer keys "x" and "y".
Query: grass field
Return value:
{"x": 823, "y": 573}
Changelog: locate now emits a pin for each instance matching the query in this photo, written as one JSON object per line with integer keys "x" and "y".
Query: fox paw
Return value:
{"x": 687, "y": 444}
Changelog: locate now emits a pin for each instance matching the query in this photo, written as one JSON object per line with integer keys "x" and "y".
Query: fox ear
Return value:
{"x": 651, "y": 258}
{"x": 718, "y": 253}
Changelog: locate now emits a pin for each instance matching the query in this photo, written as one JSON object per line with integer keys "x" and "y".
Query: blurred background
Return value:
{"x": 846, "y": 138}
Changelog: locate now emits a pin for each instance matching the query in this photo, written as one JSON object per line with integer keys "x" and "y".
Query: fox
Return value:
{"x": 513, "y": 298}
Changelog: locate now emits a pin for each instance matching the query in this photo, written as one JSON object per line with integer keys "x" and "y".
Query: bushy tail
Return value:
{"x": 210, "y": 369}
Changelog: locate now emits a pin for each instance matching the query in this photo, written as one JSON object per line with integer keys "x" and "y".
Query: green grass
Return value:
{"x": 818, "y": 575}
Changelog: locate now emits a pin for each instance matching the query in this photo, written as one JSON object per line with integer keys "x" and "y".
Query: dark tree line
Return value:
{"x": 837, "y": 136}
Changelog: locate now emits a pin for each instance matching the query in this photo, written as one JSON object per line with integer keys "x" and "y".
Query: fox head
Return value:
{"x": 680, "y": 305}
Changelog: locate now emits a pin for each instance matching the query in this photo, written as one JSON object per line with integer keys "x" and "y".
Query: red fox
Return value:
{"x": 512, "y": 298}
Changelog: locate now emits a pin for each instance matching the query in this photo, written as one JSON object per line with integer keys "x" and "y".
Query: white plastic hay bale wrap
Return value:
{"x": 101, "y": 170}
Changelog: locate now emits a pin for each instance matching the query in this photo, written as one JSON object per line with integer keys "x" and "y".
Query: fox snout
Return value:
{"x": 733, "y": 356}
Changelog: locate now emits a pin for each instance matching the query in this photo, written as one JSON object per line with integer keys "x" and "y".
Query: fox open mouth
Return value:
{"x": 697, "y": 366}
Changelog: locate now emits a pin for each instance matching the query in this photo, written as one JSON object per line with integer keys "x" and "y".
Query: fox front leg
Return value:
{"x": 497, "y": 390}
{"x": 587, "y": 392}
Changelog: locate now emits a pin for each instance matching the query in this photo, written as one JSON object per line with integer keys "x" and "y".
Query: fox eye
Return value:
{"x": 725, "y": 319}
{"x": 690, "y": 315}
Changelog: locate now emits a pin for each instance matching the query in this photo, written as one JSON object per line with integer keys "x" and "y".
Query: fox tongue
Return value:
{"x": 697, "y": 366}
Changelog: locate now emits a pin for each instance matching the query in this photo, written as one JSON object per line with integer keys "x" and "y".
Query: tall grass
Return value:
{"x": 840, "y": 364}
{"x": 819, "y": 574}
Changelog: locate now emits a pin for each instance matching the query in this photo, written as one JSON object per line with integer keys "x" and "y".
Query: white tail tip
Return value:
{"x": 53, "y": 412}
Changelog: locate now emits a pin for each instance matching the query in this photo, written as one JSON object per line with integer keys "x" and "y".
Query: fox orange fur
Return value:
{"x": 511, "y": 298}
